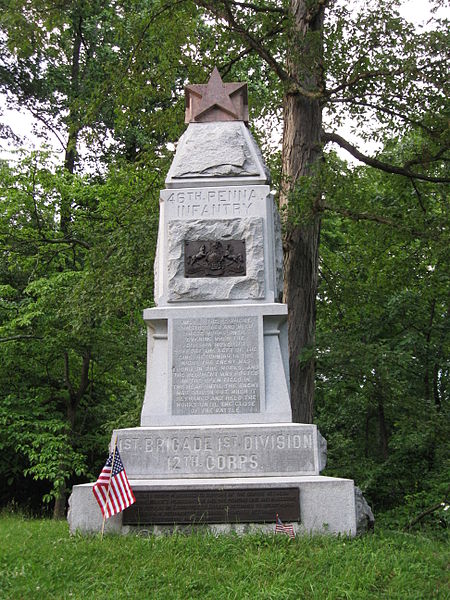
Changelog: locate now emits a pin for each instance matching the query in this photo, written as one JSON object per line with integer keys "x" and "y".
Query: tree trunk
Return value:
{"x": 301, "y": 150}
{"x": 59, "y": 509}
{"x": 73, "y": 120}
{"x": 300, "y": 262}
{"x": 383, "y": 431}
{"x": 73, "y": 400}
{"x": 426, "y": 377}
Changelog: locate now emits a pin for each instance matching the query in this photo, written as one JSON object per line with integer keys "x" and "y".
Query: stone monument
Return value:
{"x": 217, "y": 445}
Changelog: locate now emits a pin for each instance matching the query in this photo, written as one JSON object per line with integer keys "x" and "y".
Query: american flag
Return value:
{"x": 286, "y": 529}
{"x": 112, "y": 490}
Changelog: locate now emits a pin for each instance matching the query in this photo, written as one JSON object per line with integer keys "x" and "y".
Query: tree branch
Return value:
{"x": 419, "y": 196}
{"x": 426, "y": 158}
{"x": 227, "y": 68}
{"x": 66, "y": 240}
{"x": 363, "y": 216}
{"x": 13, "y": 338}
{"x": 50, "y": 127}
{"x": 169, "y": 6}
{"x": 378, "y": 164}
{"x": 366, "y": 75}
{"x": 382, "y": 109}
{"x": 224, "y": 12}
{"x": 252, "y": 41}
{"x": 259, "y": 8}
{"x": 67, "y": 381}
{"x": 429, "y": 510}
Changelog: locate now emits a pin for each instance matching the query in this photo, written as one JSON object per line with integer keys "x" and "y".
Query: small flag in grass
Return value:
{"x": 280, "y": 527}
{"x": 112, "y": 490}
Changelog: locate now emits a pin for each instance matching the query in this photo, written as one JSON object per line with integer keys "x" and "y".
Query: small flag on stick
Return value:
{"x": 112, "y": 489}
{"x": 280, "y": 527}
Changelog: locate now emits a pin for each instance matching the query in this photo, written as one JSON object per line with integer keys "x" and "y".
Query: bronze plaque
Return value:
{"x": 214, "y": 258}
{"x": 250, "y": 505}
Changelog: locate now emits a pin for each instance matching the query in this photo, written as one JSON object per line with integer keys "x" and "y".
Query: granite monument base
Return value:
{"x": 221, "y": 451}
{"x": 326, "y": 505}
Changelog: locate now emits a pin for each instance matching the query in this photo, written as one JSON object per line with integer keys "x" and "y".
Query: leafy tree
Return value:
{"x": 78, "y": 250}
{"x": 383, "y": 335}
{"x": 332, "y": 63}
{"x": 70, "y": 324}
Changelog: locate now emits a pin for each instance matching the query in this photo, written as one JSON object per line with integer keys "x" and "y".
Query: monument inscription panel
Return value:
{"x": 215, "y": 366}
{"x": 213, "y": 506}
{"x": 215, "y": 203}
{"x": 219, "y": 451}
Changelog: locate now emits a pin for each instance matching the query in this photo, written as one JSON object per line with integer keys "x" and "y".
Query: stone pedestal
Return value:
{"x": 327, "y": 505}
{"x": 217, "y": 445}
{"x": 213, "y": 364}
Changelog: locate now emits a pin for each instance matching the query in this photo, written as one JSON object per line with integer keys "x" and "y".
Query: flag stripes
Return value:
{"x": 112, "y": 489}
{"x": 280, "y": 527}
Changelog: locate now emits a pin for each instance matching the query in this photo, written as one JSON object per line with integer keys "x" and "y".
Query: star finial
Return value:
{"x": 216, "y": 101}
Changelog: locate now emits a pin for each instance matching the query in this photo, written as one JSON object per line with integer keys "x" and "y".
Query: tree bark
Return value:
{"x": 74, "y": 397}
{"x": 301, "y": 150}
{"x": 382, "y": 426}
{"x": 73, "y": 121}
{"x": 59, "y": 508}
{"x": 428, "y": 332}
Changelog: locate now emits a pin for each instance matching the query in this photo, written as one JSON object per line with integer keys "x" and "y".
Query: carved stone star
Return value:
{"x": 216, "y": 101}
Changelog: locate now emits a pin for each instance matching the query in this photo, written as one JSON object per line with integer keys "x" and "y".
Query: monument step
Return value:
{"x": 325, "y": 504}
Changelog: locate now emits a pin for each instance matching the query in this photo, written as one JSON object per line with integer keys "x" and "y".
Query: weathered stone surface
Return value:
{"x": 214, "y": 150}
{"x": 322, "y": 451}
{"x": 221, "y": 202}
{"x": 251, "y": 285}
{"x": 278, "y": 251}
{"x": 223, "y": 151}
{"x": 365, "y": 521}
{"x": 85, "y": 515}
{"x": 219, "y": 451}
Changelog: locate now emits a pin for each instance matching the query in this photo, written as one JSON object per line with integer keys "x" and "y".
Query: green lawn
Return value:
{"x": 39, "y": 559}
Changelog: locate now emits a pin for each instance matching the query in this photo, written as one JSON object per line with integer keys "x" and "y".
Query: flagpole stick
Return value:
{"x": 109, "y": 487}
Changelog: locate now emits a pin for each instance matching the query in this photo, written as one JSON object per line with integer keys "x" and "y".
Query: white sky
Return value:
{"x": 22, "y": 122}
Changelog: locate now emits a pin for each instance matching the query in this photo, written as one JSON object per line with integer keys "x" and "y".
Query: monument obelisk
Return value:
{"x": 217, "y": 445}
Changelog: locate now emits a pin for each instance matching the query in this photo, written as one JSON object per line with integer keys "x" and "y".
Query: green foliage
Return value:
{"x": 383, "y": 335}
{"x": 385, "y": 73}
{"x": 425, "y": 511}
{"x": 65, "y": 301}
{"x": 40, "y": 559}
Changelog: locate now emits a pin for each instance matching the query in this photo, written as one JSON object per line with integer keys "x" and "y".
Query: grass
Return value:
{"x": 39, "y": 559}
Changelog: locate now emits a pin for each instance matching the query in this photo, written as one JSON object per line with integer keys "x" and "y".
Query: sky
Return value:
{"x": 22, "y": 123}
